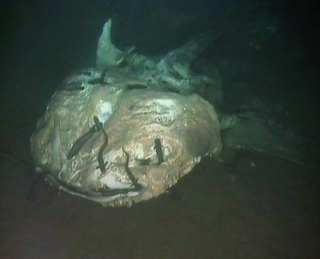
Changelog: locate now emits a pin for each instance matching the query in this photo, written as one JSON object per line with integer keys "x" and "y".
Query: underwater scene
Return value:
{"x": 160, "y": 129}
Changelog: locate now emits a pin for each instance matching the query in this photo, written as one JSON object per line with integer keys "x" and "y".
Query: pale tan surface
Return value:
{"x": 268, "y": 211}
{"x": 187, "y": 127}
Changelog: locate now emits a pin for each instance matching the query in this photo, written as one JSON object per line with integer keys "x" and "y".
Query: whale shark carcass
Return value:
{"x": 129, "y": 128}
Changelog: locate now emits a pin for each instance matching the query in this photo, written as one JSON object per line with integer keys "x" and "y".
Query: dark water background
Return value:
{"x": 260, "y": 207}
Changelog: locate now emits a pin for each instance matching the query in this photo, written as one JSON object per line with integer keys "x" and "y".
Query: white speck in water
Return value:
{"x": 232, "y": 178}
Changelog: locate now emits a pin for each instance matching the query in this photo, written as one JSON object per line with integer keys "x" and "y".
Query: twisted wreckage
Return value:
{"x": 129, "y": 128}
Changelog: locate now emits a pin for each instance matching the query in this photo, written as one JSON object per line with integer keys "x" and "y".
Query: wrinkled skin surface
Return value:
{"x": 187, "y": 127}
{"x": 126, "y": 134}
{"x": 118, "y": 135}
